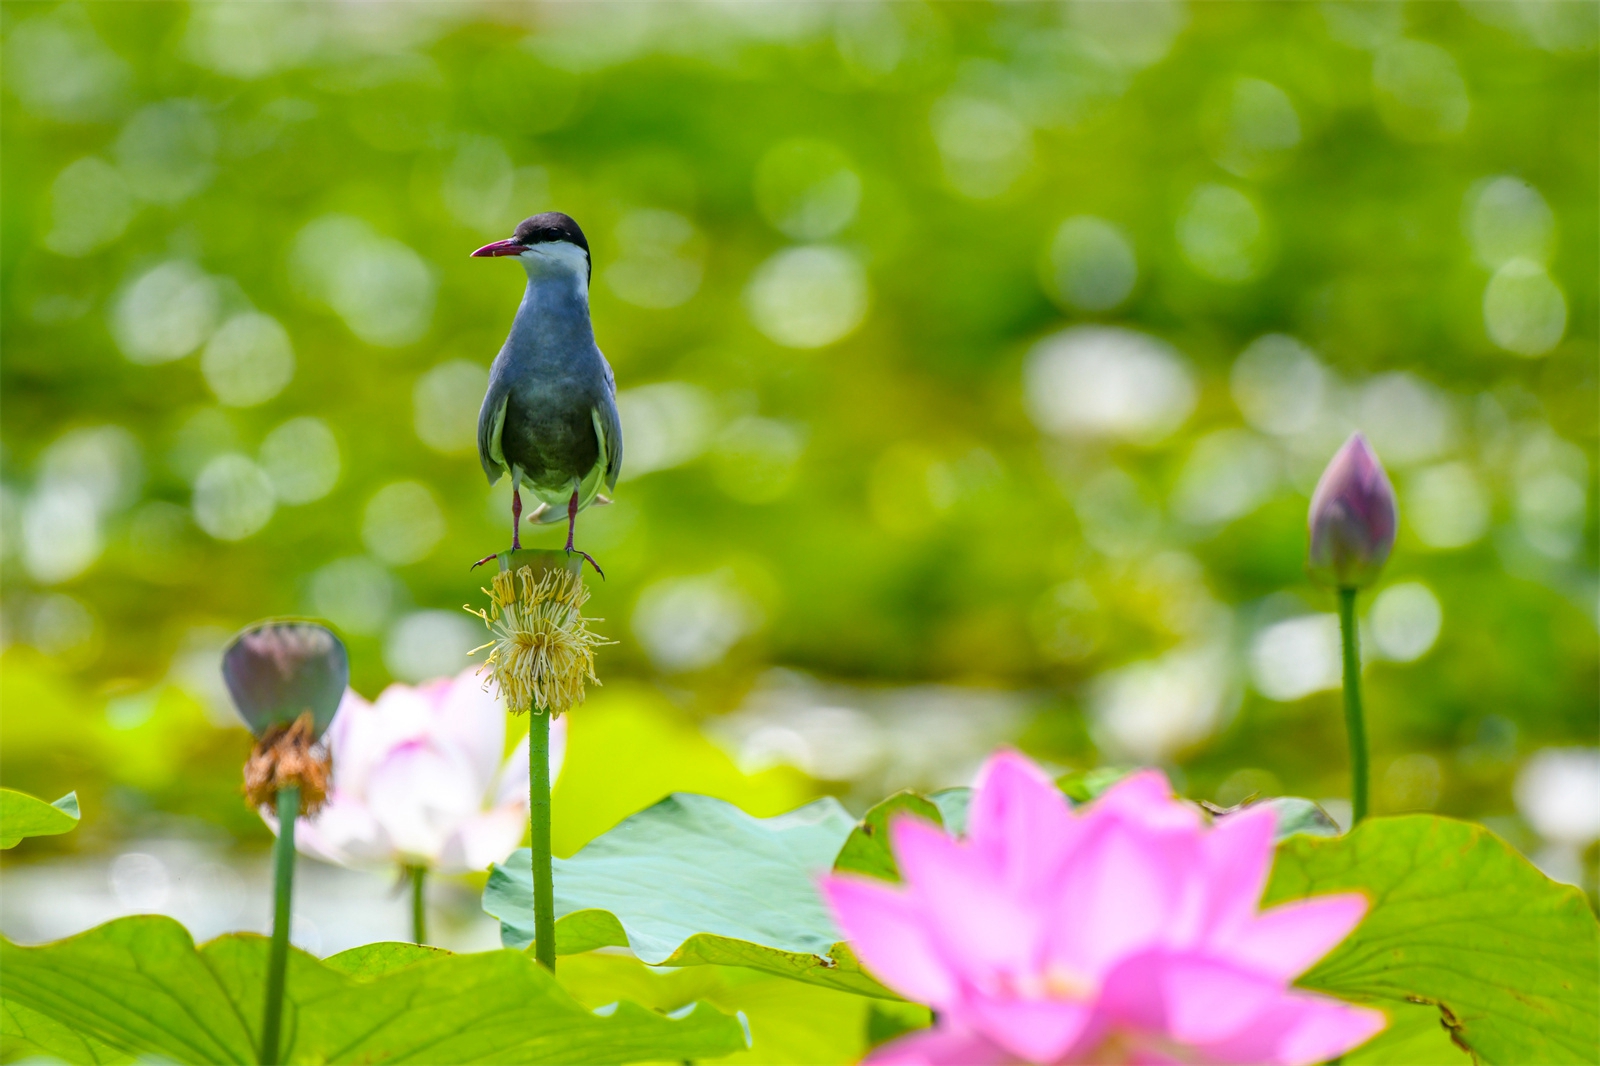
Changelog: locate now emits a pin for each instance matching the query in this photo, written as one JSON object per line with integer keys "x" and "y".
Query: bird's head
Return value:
{"x": 547, "y": 243}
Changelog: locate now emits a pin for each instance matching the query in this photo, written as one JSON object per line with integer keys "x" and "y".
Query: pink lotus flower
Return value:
{"x": 1127, "y": 931}
{"x": 418, "y": 780}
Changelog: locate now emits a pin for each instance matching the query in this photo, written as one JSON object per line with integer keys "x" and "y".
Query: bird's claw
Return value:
{"x": 485, "y": 559}
{"x": 586, "y": 555}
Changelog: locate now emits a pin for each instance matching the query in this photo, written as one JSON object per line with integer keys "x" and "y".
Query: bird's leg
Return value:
{"x": 516, "y": 516}
{"x": 516, "y": 524}
{"x": 572, "y": 525}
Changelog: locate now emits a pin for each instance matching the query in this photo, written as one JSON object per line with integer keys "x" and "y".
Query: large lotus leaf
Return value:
{"x": 385, "y": 956}
{"x": 867, "y": 851}
{"x": 1501, "y": 955}
{"x": 22, "y": 815}
{"x": 139, "y": 987}
{"x": 26, "y": 1035}
{"x": 790, "y": 1022}
{"x": 696, "y": 881}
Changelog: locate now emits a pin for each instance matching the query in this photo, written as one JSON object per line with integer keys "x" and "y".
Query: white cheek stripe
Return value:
{"x": 558, "y": 256}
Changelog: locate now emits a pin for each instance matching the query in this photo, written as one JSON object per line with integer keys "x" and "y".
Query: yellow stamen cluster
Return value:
{"x": 542, "y": 654}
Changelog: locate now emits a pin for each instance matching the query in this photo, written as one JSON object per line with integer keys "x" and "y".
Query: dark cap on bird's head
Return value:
{"x": 546, "y": 228}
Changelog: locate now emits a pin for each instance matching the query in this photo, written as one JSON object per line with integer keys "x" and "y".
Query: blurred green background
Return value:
{"x": 976, "y": 364}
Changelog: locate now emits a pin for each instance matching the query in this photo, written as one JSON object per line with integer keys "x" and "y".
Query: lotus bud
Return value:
{"x": 1353, "y": 518}
{"x": 541, "y": 656}
{"x": 286, "y": 679}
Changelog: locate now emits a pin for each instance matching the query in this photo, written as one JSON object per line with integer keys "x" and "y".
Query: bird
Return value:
{"x": 549, "y": 417}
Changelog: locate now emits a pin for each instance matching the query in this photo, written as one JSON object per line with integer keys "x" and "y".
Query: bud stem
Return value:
{"x": 544, "y": 903}
{"x": 419, "y": 906}
{"x": 1355, "y": 722}
{"x": 283, "y": 884}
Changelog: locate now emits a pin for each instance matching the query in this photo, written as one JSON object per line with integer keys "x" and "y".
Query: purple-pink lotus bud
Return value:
{"x": 1353, "y": 518}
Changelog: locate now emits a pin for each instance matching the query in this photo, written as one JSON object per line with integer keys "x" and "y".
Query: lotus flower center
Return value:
{"x": 1054, "y": 982}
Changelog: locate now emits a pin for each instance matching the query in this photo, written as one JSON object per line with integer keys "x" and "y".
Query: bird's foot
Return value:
{"x": 579, "y": 551}
{"x": 485, "y": 559}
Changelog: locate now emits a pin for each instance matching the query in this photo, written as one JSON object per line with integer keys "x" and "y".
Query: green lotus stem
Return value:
{"x": 282, "y": 886}
{"x": 419, "y": 906}
{"x": 1355, "y": 722}
{"x": 544, "y": 895}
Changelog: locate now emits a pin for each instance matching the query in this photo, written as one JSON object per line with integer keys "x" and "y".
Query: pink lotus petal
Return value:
{"x": 419, "y": 772}
{"x": 983, "y": 927}
{"x": 473, "y": 721}
{"x": 1145, "y": 797}
{"x": 891, "y": 938}
{"x": 1036, "y": 1030}
{"x": 342, "y": 832}
{"x": 943, "y": 1046}
{"x": 420, "y": 794}
{"x": 1287, "y": 939}
{"x": 1126, "y": 931}
{"x": 1019, "y": 820}
{"x": 1116, "y": 897}
{"x": 1238, "y": 855}
{"x": 484, "y": 839}
{"x": 1208, "y": 1001}
{"x": 1299, "y": 1029}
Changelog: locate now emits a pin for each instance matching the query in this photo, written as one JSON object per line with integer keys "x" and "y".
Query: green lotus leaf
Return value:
{"x": 22, "y": 815}
{"x": 1503, "y": 958}
{"x": 137, "y": 987}
{"x": 694, "y": 881}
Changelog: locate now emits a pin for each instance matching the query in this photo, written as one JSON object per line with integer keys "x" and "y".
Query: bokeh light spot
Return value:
{"x": 445, "y": 403}
{"x": 1507, "y": 219}
{"x": 1091, "y": 264}
{"x": 1405, "y": 621}
{"x": 1420, "y": 91}
{"x": 166, "y": 313}
{"x": 690, "y": 623}
{"x": 248, "y": 360}
{"x": 355, "y": 593}
{"x": 1278, "y": 384}
{"x": 167, "y": 149}
{"x": 808, "y": 297}
{"x": 986, "y": 147}
{"x": 233, "y": 498}
{"x": 428, "y": 644}
{"x": 382, "y": 289}
{"x": 1291, "y": 659}
{"x": 1446, "y": 506}
{"x": 60, "y": 69}
{"x": 1222, "y": 235}
{"x": 659, "y": 260}
{"x": 1105, "y": 381}
{"x": 806, "y": 189}
{"x": 90, "y": 207}
{"x": 1524, "y": 310}
{"x": 301, "y": 457}
{"x": 402, "y": 523}
{"x": 665, "y": 425}
{"x": 756, "y": 458}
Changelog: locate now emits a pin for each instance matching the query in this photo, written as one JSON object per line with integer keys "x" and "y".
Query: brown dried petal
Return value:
{"x": 288, "y": 755}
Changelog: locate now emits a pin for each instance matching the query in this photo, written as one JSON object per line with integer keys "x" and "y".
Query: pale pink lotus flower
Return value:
{"x": 419, "y": 780}
{"x": 1124, "y": 931}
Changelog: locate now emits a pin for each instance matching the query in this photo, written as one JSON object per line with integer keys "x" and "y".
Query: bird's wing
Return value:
{"x": 608, "y": 431}
{"x": 491, "y": 423}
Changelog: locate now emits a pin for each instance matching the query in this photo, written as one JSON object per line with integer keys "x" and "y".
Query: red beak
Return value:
{"x": 507, "y": 247}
